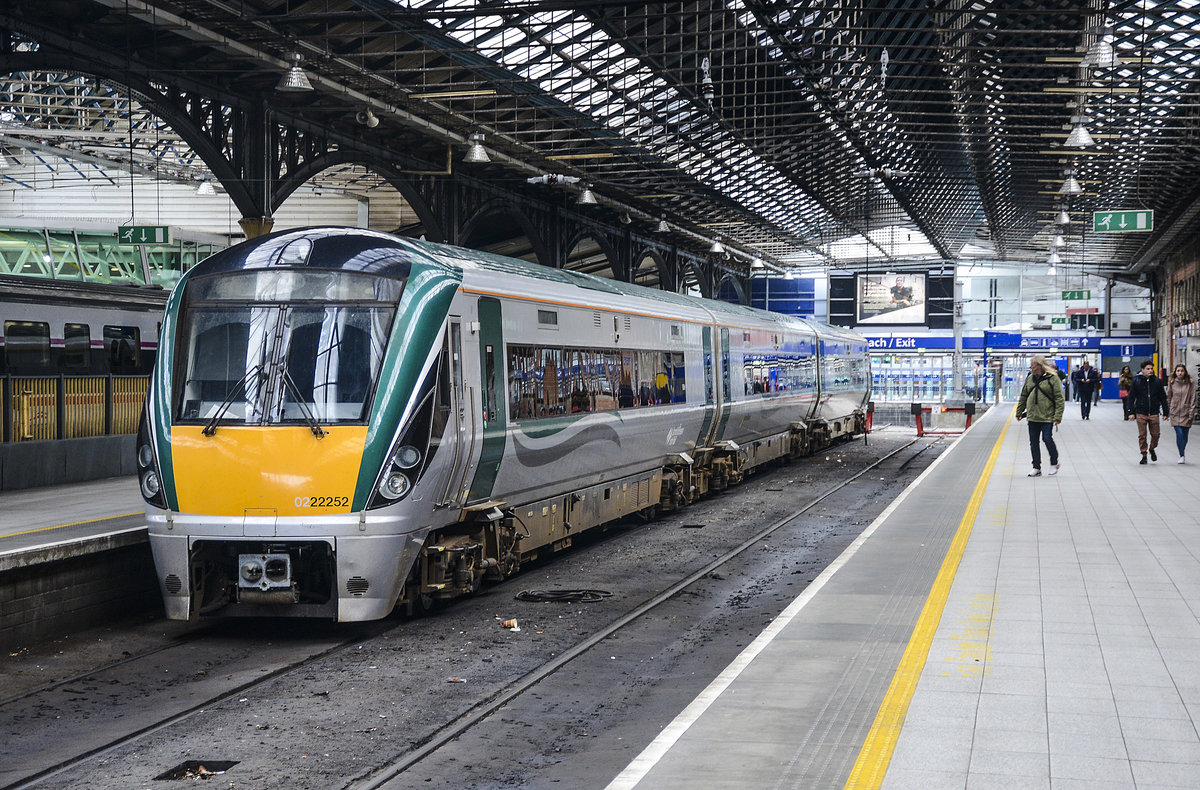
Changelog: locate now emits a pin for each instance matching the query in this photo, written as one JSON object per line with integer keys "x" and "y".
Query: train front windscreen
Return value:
{"x": 275, "y": 347}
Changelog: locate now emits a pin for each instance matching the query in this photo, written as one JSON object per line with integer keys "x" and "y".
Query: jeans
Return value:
{"x": 1042, "y": 432}
{"x": 1181, "y": 438}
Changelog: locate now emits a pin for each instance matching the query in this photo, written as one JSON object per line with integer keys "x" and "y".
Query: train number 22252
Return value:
{"x": 322, "y": 501}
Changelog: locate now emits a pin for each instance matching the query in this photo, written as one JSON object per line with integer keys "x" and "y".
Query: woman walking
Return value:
{"x": 1124, "y": 384}
{"x": 1042, "y": 401}
{"x": 1181, "y": 403}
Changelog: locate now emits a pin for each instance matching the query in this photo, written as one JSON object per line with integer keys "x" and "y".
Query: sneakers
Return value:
{"x": 1143, "y": 461}
{"x": 1036, "y": 473}
{"x": 1153, "y": 455}
{"x": 1180, "y": 460}
{"x": 1054, "y": 469}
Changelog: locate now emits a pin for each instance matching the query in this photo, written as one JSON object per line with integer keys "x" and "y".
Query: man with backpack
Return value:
{"x": 1042, "y": 401}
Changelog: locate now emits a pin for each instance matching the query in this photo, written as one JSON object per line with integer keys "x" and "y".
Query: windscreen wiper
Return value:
{"x": 309, "y": 417}
{"x": 210, "y": 427}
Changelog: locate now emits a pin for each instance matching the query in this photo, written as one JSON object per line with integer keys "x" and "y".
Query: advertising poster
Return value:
{"x": 891, "y": 298}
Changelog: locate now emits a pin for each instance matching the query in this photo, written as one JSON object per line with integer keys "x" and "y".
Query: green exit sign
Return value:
{"x": 144, "y": 234}
{"x": 1058, "y": 321}
{"x": 1122, "y": 221}
{"x": 1070, "y": 296}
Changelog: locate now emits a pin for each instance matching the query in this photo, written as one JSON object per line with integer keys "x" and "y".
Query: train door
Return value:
{"x": 493, "y": 422}
{"x": 711, "y": 403}
{"x": 462, "y": 416}
{"x": 726, "y": 402}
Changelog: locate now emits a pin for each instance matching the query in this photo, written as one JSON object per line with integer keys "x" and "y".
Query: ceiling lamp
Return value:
{"x": 587, "y": 197}
{"x": 1058, "y": 242}
{"x": 367, "y": 118}
{"x": 662, "y": 227}
{"x": 757, "y": 264}
{"x": 294, "y": 79}
{"x": 1070, "y": 185}
{"x": 1079, "y": 136}
{"x": 476, "y": 153}
{"x": 1050, "y": 270}
{"x": 717, "y": 248}
{"x": 1101, "y": 54}
{"x": 1054, "y": 258}
{"x": 1063, "y": 217}
{"x": 787, "y": 275}
{"x": 206, "y": 188}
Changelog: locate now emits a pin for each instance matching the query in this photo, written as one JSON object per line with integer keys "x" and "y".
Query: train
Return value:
{"x": 75, "y": 357}
{"x": 342, "y": 422}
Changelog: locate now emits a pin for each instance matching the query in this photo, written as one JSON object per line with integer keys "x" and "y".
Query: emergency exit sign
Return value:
{"x": 1122, "y": 221}
{"x": 1070, "y": 296}
{"x": 1058, "y": 320}
{"x": 144, "y": 234}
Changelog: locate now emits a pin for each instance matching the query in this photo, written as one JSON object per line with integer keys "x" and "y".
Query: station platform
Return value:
{"x": 988, "y": 630}
{"x": 58, "y": 522}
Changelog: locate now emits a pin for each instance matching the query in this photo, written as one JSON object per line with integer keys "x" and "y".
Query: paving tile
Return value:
{"x": 1175, "y": 775}
{"x": 911, "y": 779}
{"x": 1010, "y": 764}
{"x": 1089, "y": 768}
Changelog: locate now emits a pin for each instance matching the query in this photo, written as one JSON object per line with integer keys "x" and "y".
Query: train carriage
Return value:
{"x": 342, "y": 420}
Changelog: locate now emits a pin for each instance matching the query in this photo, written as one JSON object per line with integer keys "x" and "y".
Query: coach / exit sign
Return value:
{"x": 1122, "y": 221}
{"x": 1070, "y": 296}
{"x": 144, "y": 234}
{"x": 1058, "y": 320}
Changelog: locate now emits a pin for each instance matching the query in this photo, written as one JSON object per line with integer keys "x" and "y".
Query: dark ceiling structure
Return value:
{"x": 811, "y": 133}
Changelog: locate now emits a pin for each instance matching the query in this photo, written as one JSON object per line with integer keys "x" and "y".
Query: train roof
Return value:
{"x": 497, "y": 264}
{"x": 358, "y": 249}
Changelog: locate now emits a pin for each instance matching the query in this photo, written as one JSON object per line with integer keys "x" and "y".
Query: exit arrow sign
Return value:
{"x": 1058, "y": 320}
{"x": 144, "y": 234}
{"x": 1123, "y": 221}
{"x": 1069, "y": 296}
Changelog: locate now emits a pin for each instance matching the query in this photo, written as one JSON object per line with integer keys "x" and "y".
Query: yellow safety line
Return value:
{"x": 72, "y": 524}
{"x": 876, "y": 753}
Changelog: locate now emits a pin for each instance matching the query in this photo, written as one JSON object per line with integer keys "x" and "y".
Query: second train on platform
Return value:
{"x": 341, "y": 420}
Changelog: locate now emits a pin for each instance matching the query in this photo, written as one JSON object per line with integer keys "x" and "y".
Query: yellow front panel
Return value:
{"x": 280, "y": 468}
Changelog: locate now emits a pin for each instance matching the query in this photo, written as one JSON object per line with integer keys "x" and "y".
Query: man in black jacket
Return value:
{"x": 1085, "y": 378}
{"x": 1148, "y": 399}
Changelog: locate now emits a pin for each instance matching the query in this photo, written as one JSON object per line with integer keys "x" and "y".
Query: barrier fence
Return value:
{"x": 45, "y": 408}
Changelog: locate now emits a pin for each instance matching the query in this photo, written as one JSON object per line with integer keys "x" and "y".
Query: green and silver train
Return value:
{"x": 342, "y": 421}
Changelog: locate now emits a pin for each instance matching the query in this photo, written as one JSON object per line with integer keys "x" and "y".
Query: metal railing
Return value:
{"x": 46, "y": 408}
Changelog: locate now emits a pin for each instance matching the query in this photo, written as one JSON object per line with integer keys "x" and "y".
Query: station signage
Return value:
{"x": 1058, "y": 320}
{"x": 1070, "y": 296}
{"x": 144, "y": 234}
{"x": 1123, "y": 221}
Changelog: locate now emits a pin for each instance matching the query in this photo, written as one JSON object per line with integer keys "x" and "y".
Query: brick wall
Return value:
{"x": 48, "y": 600}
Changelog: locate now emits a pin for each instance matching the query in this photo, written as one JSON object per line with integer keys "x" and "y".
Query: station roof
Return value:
{"x": 814, "y": 133}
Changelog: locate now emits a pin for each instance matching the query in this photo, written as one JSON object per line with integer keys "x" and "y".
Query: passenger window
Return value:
{"x": 77, "y": 347}
{"x": 26, "y": 346}
{"x": 124, "y": 345}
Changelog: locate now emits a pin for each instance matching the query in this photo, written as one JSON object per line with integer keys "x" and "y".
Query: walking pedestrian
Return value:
{"x": 1148, "y": 398}
{"x": 1085, "y": 378}
{"x": 1124, "y": 384}
{"x": 1042, "y": 401}
{"x": 1181, "y": 403}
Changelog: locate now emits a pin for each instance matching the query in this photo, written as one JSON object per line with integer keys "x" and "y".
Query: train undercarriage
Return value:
{"x": 493, "y": 539}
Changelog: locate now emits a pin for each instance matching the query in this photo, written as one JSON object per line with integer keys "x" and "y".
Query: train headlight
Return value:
{"x": 145, "y": 456}
{"x": 252, "y": 571}
{"x": 150, "y": 484}
{"x": 407, "y": 457}
{"x": 394, "y": 486}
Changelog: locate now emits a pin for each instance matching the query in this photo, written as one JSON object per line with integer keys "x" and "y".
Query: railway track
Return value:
{"x": 383, "y": 774}
{"x": 261, "y": 670}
